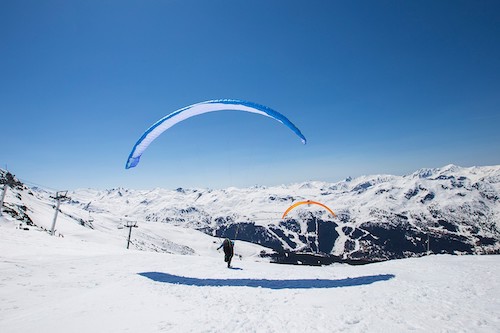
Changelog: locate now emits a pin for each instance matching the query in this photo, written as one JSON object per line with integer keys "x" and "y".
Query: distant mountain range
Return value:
{"x": 444, "y": 210}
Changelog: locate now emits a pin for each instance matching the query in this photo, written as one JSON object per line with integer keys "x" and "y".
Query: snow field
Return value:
{"x": 51, "y": 284}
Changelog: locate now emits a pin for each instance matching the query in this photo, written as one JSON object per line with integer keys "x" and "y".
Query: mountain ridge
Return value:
{"x": 439, "y": 210}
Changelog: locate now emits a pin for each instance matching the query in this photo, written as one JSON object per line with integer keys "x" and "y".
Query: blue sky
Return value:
{"x": 375, "y": 86}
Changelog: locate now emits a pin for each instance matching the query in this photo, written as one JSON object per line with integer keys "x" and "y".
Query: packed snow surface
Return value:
{"x": 83, "y": 284}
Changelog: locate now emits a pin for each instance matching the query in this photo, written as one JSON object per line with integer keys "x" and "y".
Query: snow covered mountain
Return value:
{"x": 444, "y": 210}
{"x": 51, "y": 284}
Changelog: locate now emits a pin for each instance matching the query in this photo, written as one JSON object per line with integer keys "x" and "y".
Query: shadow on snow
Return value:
{"x": 264, "y": 283}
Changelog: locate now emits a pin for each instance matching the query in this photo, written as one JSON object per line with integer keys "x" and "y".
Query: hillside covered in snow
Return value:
{"x": 86, "y": 283}
{"x": 445, "y": 210}
{"x": 173, "y": 278}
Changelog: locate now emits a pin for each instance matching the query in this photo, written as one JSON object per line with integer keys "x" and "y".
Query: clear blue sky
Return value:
{"x": 375, "y": 86}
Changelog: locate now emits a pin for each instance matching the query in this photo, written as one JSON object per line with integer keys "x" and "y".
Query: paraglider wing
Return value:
{"x": 196, "y": 109}
{"x": 307, "y": 202}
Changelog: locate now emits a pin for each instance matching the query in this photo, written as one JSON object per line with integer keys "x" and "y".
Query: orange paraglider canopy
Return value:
{"x": 307, "y": 202}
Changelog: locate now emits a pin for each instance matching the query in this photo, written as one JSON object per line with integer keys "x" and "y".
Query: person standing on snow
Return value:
{"x": 228, "y": 246}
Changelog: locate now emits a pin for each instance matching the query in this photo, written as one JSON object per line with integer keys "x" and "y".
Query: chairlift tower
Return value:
{"x": 60, "y": 196}
{"x": 130, "y": 225}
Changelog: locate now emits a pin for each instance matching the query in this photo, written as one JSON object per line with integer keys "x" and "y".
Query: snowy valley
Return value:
{"x": 173, "y": 279}
{"x": 445, "y": 210}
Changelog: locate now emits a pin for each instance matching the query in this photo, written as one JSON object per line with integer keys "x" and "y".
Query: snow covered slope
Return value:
{"x": 33, "y": 210}
{"x": 173, "y": 279}
{"x": 55, "y": 284}
{"x": 445, "y": 210}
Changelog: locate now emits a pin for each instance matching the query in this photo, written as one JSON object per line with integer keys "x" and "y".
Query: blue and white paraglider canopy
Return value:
{"x": 196, "y": 109}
